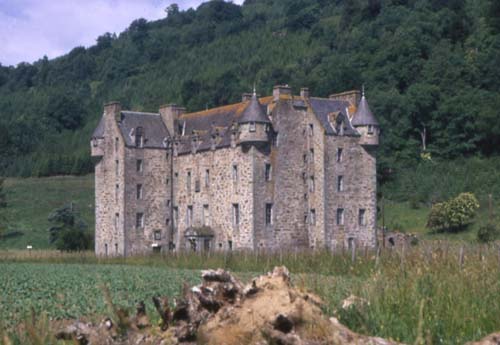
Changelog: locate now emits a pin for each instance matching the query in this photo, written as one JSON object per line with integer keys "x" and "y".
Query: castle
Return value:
{"x": 284, "y": 171}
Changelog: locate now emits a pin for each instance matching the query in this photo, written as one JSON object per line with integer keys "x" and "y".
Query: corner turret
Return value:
{"x": 254, "y": 123}
{"x": 365, "y": 123}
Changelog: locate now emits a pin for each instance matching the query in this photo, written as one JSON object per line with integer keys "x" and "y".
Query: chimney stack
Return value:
{"x": 113, "y": 109}
{"x": 169, "y": 114}
{"x": 281, "y": 90}
{"x": 246, "y": 97}
{"x": 304, "y": 92}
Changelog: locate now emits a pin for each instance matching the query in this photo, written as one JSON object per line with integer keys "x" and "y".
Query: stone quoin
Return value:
{"x": 279, "y": 172}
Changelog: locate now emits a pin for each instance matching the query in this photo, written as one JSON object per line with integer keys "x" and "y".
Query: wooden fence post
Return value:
{"x": 461, "y": 258}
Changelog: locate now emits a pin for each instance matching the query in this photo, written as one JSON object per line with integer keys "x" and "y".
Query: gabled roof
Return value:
{"x": 322, "y": 107}
{"x": 254, "y": 112}
{"x": 155, "y": 131}
{"x": 363, "y": 115}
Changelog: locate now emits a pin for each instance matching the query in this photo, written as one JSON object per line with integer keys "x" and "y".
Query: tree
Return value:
{"x": 172, "y": 10}
{"x": 69, "y": 231}
{"x": 454, "y": 214}
{"x": 487, "y": 233}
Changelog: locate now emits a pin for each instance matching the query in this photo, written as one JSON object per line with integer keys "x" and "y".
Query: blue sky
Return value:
{"x": 30, "y": 29}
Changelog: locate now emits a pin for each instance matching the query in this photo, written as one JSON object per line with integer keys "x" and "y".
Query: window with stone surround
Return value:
{"x": 311, "y": 156}
{"x": 340, "y": 216}
{"x": 117, "y": 192}
{"x": 117, "y": 218}
{"x": 106, "y": 249}
{"x": 139, "y": 137}
{"x": 188, "y": 182}
{"x": 339, "y": 154}
{"x": 236, "y": 215}
{"x": 269, "y": 214}
{"x": 157, "y": 235}
{"x": 189, "y": 216}
{"x": 340, "y": 183}
{"x": 362, "y": 217}
{"x": 139, "y": 220}
{"x": 117, "y": 167}
{"x": 139, "y": 192}
{"x": 138, "y": 165}
{"x": 370, "y": 129}
{"x": 312, "y": 216}
{"x": 311, "y": 184}
{"x": 117, "y": 141}
{"x": 311, "y": 129}
{"x": 207, "y": 178}
{"x": 116, "y": 248}
{"x": 235, "y": 173}
{"x": 252, "y": 127}
{"x": 176, "y": 216}
{"x": 206, "y": 215}
{"x": 268, "y": 172}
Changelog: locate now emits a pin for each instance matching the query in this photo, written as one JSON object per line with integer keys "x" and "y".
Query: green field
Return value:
{"x": 31, "y": 200}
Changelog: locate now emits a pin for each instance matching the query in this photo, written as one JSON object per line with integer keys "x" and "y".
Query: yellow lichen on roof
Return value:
{"x": 237, "y": 107}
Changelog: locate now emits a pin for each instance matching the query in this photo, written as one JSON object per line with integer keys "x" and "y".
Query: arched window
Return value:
{"x": 139, "y": 137}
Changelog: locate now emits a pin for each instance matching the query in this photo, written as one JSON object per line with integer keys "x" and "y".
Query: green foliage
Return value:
{"x": 69, "y": 231}
{"x": 3, "y": 204}
{"x": 426, "y": 64}
{"x": 454, "y": 214}
{"x": 488, "y": 233}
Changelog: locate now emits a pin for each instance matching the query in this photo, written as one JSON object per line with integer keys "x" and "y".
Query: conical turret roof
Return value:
{"x": 363, "y": 115}
{"x": 254, "y": 112}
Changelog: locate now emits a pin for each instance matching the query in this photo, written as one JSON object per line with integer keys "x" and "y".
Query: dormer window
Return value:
{"x": 139, "y": 137}
{"x": 252, "y": 127}
{"x": 370, "y": 129}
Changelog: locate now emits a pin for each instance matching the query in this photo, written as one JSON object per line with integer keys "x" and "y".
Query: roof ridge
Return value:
{"x": 140, "y": 112}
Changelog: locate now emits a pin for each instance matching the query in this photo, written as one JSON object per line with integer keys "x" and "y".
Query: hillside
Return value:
{"x": 429, "y": 67}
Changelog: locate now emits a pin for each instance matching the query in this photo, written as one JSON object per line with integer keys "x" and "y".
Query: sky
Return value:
{"x": 30, "y": 29}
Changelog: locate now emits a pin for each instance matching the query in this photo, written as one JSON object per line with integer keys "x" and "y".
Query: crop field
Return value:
{"x": 437, "y": 293}
{"x": 75, "y": 290}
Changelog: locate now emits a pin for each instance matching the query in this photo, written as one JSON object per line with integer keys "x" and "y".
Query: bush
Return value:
{"x": 454, "y": 214}
{"x": 69, "y": 231}
{"x": 487, "y": 233}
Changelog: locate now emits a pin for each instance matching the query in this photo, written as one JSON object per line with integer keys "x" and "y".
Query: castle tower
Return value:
{"x": 366, "y": 123}
{"x": 254, "y": 123}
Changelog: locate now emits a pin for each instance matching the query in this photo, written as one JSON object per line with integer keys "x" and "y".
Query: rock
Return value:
{"x": 492, "y": 339}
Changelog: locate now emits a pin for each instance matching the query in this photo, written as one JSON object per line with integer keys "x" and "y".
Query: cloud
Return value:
{"x": 30, "y": 29}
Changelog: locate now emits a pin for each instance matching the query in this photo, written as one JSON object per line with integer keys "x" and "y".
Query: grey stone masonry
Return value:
{"x": 283, "y": 171}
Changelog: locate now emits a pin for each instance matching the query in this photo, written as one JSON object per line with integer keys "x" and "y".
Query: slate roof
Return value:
{"x": 324, "y": 106}
{"x": 254, "y": 112}
{"x": 155, "y": 131}
{"x": 99, "y": 131}
{"x": 363, "y": 115}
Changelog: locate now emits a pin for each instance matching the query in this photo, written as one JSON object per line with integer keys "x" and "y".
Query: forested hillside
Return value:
{"x": 431, "y": 69}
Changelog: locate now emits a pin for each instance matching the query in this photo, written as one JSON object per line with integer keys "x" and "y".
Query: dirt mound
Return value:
{"x": 223, "y": 311}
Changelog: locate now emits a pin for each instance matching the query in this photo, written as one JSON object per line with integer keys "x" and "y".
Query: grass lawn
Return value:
{"x": 31, "y": 200}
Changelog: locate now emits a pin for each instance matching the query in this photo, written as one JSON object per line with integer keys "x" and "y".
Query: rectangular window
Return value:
{"x": 252, "y": 127}
{"x": 268, "y": 172}
{"x": 207, "y": 179}
{"x": 362, "y": 217}
{"x": 312, "y": 217}
{"x": 189, "y": 216}
{"x": 138, "y": 166}
{"x": 116, "y": 144}
{"x": 167, "y": 181}
{"x": 157, "y": 235}
{"x": 106, "y": 249}
{"x": 339, "y": 155}
{"x": 117, "y": 192}
{"x": 139, "y": 192}
{"x": 311, "y": 184}
{"x": 188, "y": 182}
{"x": 139, "y": 137}
{"x": 235, "y": 173}
{"x": 311, "y": 129}
{"x": 269, "y": 214}
{"x": 206, "y": 215}
{"x": 168, "y": 202}
{"x": 176, "y": 216}
{"x": 117, "y": 167}
{"x": 370, "y": 129}
{"x": 139, "y": 220}
{"x": 117, "y": 219}
{"x": 340, "y": 183}
{"x": 116, "y": 248}
{"x": 304, "y": 157}
{"x": 197, "y": 186}
{"x": 236, "y": 215}
{"x": 340, "y": 216}
{"x": 311, "y": 155}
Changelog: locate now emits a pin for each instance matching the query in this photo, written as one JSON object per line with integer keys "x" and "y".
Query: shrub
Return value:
{"x": 487, "y": 233}
{"x": 69, "y": 231}
{"x": 454, "y": 214}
